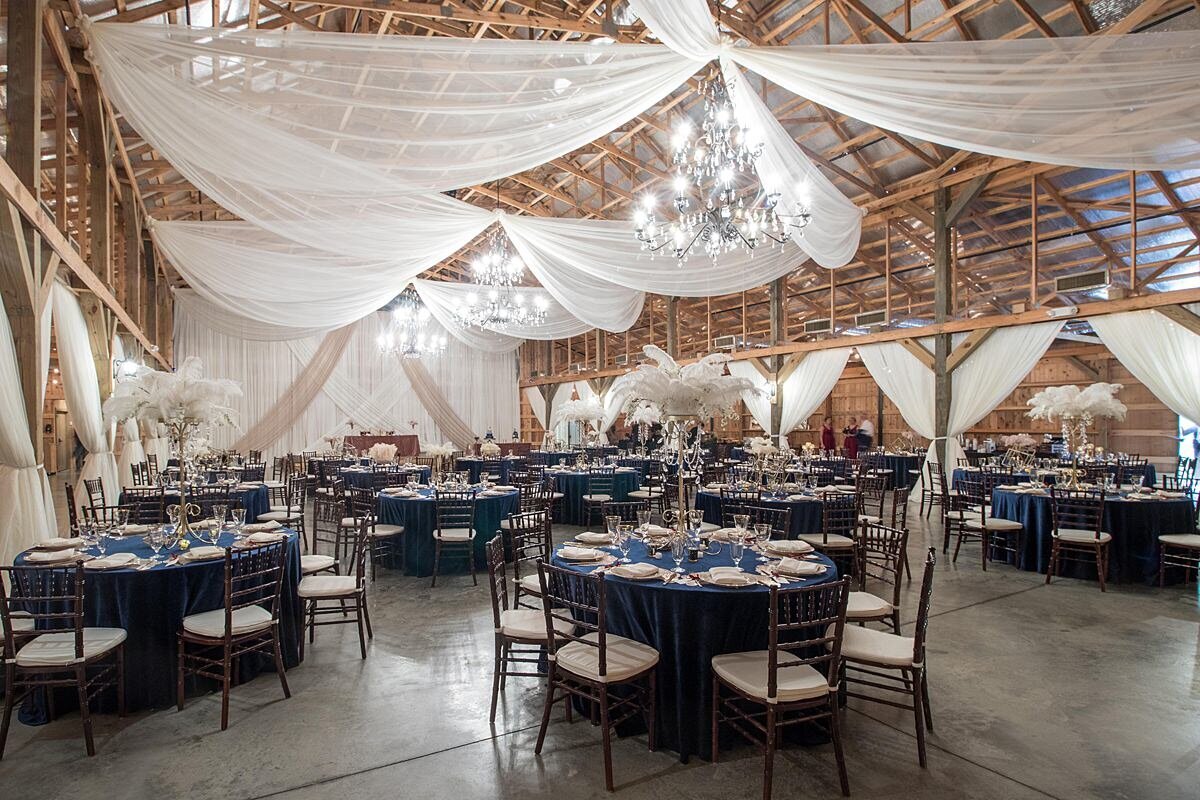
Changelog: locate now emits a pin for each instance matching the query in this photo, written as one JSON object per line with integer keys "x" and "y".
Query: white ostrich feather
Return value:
{"x": 588, "y": 410}
{"x": 1099, "y": 400}
{"x": 644, "y": 414}
{"x": 1019, "y": 440}
{"x": 700, "y": 389}
{"x": 382, "y": 453}
{"x": 182, "y": 396}
{"x": 444, "y": 450}
{"x": 489, "y": 449}
{"x": 761, "y": 446}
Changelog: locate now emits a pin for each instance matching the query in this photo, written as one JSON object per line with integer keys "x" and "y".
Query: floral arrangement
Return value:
{"x": 1071, "y": 402}
{"x": 1019, "y": 441}
{"x": 382, "y": 453}
{"x": 439, "y": 450}
{"x": 761, "y": 446}
{"x": 588, "y": 410}
{"x": 809, "y": 448}
{"x": 701, "y": 389}
{"x": 644, "y": 414}
{"x": 489, "y": 449}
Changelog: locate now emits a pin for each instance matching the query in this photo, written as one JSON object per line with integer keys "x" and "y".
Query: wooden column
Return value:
{"x": 777, "y": 294}
{"x": 131, "y": 269}
{"x": 21, "y": 258}
{"x": 601, "y": 349}
{"x": 99, "y": 199}
{"x": 673, "y": 327}
{"x": 150, "y": 293}
{"x": 943, "y": 293}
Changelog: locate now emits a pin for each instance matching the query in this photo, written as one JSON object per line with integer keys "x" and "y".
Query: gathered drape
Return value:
{"x": 443, "y": 413}
{"x": 82, "y": 390}
{"x": 157, "y": 445}
{"x": 1161, "y": 353}
{"x": 132, "y": 452}
{"x": 537, "y": 402}
{"x": 26, "y": 505}
{"x": 808, "y": 386}
{"x": 757, "y": 399}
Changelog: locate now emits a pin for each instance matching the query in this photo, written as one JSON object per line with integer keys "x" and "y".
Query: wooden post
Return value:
{"x": 1033, "y": 242}
{"x": 601, "y": 349}
{"x": 673, "y": 327}
{"x": 1133, "y": 232}
{"x": 777, "y": 293}
{"x": 943, "y": 283}
{"x": 131, "y": 228}
{"x": 887, "y": 272}
{"x": 99, "y": 201}
{"x": 60, "y": 155}
{"x": 150, "y": 294}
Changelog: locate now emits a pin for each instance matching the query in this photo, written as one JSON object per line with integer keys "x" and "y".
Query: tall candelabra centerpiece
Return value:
{"x": 441, "y": 454}
{"x": 686, "y": 395}
{"x": 186, "y": 403}
{"x": 644, "y": 416}
{"x": 1076, "y": 409}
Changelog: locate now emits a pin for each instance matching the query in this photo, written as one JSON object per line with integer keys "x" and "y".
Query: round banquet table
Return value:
{"x": 150, "y": 605}
{"x": 688, "y": 625}
{"x": 417, "y": 515}
{"x": 360, "y": 477}
{"x": 900, "y": 464}
{"x": 806, "y": 514}
{"x": 551, "y": 457}
{"x": 1135, "y": 526}
{"x": 255, "y": 497}
{"x": 474, "y": 466}
{"x": 962, "y": 473}
{"x": 574, "y": 485}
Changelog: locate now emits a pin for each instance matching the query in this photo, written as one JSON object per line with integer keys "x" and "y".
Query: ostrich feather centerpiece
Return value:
{"x": 1077, "y": 408}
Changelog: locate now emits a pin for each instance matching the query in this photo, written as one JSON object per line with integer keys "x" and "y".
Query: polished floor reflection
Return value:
{"x": 1038, "y": 692}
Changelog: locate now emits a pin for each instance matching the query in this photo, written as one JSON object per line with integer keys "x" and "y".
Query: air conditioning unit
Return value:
{"x": 727, "y": 342}
{"x": 1083, "y": 282}
{"x": 622, "y": 360}
{"x": 576, "y": 368}
{"x": 869, "y": 318}
{"x": 818, "y": 326}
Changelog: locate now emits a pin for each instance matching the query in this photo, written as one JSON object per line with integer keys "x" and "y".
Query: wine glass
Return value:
{"x": 624, "y": 541}
{"x": 610, "y": 527}
{"x": 741, "y": 522}
{"x": 678, "y": 553}
{"x": 157, "y": 539}
{"x": 90, "y": 535}
{"x": 762, "y": 534}
{"x": 120, "y": 518}
{"x": 737, "y": 548}
{"x": 239, "y": 522}
{"x": 104, "y": 531}
{"x": 220, "y": 512}
{"x": 695, "y": 519}
{"x": 643, "y": 518}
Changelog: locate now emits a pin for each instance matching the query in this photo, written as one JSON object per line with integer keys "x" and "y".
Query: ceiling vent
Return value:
{"x": 869, "y": 318}
{"x": 818, "y": 326}
{"x": 622, "y": 360}
{"x": 1083, "y": 282}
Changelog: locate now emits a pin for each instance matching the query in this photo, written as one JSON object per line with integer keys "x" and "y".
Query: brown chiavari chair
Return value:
{"x": 208, "y": 496}
{"x": 105, "y": 516}
{"x": 247, "y": 622}
{"x": 600, "y": 483}
{"x": 146, "y": 506}
{"x": 349, "y": 591}
{"x": 454, "y": 531}
{"x": 1078, "y": 517}
{"x": 625, "y": 510}
{"x": 47, "y": 646}
{"x": 254, "y": 456}
{"x": 531, "y": 497}
{"x": 520, "y": 632}
{"x": 152, "y": 466}
{"x": 870, "y": 658}
{"x": 741, "y": 497}
{"x": 654, "y": 489}
{"x": 839, "y": 522}
{"x": 871, "y": 491}
{"x": 328, "y": 533}
{"x": 72, "y": 509}
{"x": 382, "y": 539}
{"x": 780, "y": 519}
{"x": 973, "y": 520}
{"x": 94, "y": 488}
{"x": 529, "y": 543}
{"x": 290, "y": 513}
{"x": 794, "y": 681}
{"x": 141, "y": 473}
{"x": 586, "y": 661}
{"x": 1180, "y": 550}
{"x": 881, "y": 560}
{"x": 489, "y": 470}
{"x": 254, "y": 472}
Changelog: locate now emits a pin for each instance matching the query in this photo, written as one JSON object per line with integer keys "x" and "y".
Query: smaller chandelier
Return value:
{"x": 406, "y": 335}
{"x": 498, "y": 307}
{"x": 711, "y": 211}
{"x": 498, "y": 266}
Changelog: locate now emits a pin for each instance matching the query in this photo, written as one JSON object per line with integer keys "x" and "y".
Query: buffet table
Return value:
{"x": 406, "y": 444}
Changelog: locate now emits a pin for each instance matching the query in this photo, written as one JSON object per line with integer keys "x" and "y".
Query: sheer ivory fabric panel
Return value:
{"x": 82, "y": 391}
{"x": 758, "y": 400}
{"x": 419, "y": 114}
{"x": 1160, "y": 353}
{"x": 613, "y": 400}
{"x": 157, "y": 445}
{"x": 26, "y": 505}
{"x": 366, "y": 390}
{"x": 132, "y": 452}
{"x": 1109, "y": 102}
{"x": 809, "y": 385}
{"x": 442, "y": 297}
{"x": 434, "y": 401}
{"x": 565, "y": 392}
{"x": 533, "y": 396}
{"x": 234, "y": 323}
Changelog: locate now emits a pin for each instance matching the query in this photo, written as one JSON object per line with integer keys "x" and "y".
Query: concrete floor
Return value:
{"x": 1038, "y": 692}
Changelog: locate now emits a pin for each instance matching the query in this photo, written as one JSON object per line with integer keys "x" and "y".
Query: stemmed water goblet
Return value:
{"x": 737, "y": 547}
{"x": 643, "y": 518}
{"x": 157, "y": 539}
{"x": 624, "y": 541}
{"x": 762, "y": 534}
{"x": 90, "y": 534}
{"x": 239, "y": 522}
{"x": 220, "y": 515}
{"x": 678, "y": 552}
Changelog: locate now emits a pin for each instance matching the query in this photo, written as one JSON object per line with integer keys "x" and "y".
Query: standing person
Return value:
{"x": 828, "y": 443}
{"x": 850, "y": 442}
{"x": 866, "y": 434}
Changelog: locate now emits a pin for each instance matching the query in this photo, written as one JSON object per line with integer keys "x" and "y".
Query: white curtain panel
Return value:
{"x": 614, "y": 403}
{"x": 158, "y": 445}
{"x": 26, "y": 505}
{"x": 366, "y": 390}
{"x": 82, "y": 390}
{"x": 809, "y": 385}
{"x": 989, "y": 374}
{"x": 564, "y": 393}
{"x": 235, "y": 323}
{"x": 533, "y": 396}
{"x": 132, "y": 452}
{"x": 758, "y": 399}
{"x": 1161, "y": 353}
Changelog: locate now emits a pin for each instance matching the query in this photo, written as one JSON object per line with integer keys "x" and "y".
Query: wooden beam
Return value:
{"x": 1090, "y": 372}
{"x": 966, "y": 347}
{"x": 1181, "y": 316}
{"x": 943, "y": 294}
{"x": 673, "y": 327}
{"x": 23, "y": 92}
{"x": 966, "y": 196}
{"x": 919, "y": 352}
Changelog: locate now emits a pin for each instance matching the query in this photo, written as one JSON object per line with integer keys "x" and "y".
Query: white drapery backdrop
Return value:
{"x": 808, "y": 386}
{"x": 758, "y": 398}
{"x": 81, "y": 388}
{"x": 132, "y": 451}
{"x": 26, "y": 505}
{"x": 561, "y": 396}
{"x": 158, "y": 445}
{"x": 1161, "y": 353}
{"x": 365, "y": 390}
{"x": 533, "y": 395}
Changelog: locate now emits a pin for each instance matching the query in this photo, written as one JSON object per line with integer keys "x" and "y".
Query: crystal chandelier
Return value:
{"x": 498, "y": 266}
{"x": 406, "y": 335}
{"x": 712, "y": 211}
{"x": 498, "y": 307}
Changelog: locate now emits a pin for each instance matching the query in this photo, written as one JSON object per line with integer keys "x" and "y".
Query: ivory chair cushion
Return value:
{"x": 58, "y": 649}
{"x": 597, "y": 498}
{"x": 531, "y": 584}
{"x": 315, "y": 562}
{"x": 646, "y": 494}
{"x": 1191, "y": 540}
{"x": 626, "y": 658}
{"x": 454, "y": 534}
{"x": 529, "y": 623}
{"x": 749, "y": 673}
{"x": 315, "y": 586}
{"x": 242, "y": 620}
{"x": 836, "y": 541}
{"x": 386, "y": 531}
{"x": 287, "y": 509}
{"x": 1075, "y": 536}
{"x": 864, "y": 605}
{"x": 876, "y": 647}
{"x": 280, "y": 516}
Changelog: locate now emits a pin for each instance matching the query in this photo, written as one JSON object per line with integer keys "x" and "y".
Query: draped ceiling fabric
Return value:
{"x": 808, "y": 386}
{"x": 365, "y": 389}
{"x": 81, "y": 388}
{"x": 26, "y": 505}
{"x": 1161, "y": 353}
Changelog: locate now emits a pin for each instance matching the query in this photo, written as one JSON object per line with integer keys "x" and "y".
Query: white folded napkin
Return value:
{"x": 729, "y": 578}
{"x": 658, "y": 530}
{"x": 265, "y": 537}
{"x": 505, "y": 488}
{"x": 635, "y": 571}
{"x": 205, "y": 553}
{"x": 258, "y": 527}
{"x": 50, "y": 556}
{"x": 798, "y": 498}
{"x": 725, "y": 571}
{"x": 1170, "y": 495}
{"x": 572, "y": 553}
{"x": 396, "y": 491}
{"x": 724, "y": 534}
{"x": 133, "y": 529}
{"x": 111, "y": 561}
{"x": 591, "y": 537}
{"x": 795, "y": 566}
{"x": 247, "y": 487}
{"x": 790, "y": 546}
{"x": 58, "y": 543}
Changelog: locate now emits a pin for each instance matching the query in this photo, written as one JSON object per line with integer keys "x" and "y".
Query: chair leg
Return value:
{"x": 471, "y": 561}
{"x": 919, "y": 717}
{"x": 769, "y": 760}
{"x": 546, "y": 709}
{"x": 84, "y": 713}
{"x": 1101, "y": 565}
{"x": 121, "y": 680}
{"x": 179, "y": 674}
{"x": 606, "y": 736}
{"x": 1053, "y": 561}
{"x": 437, "y": 561}
{"x": 367, "y": 615}
{"x": 1161, "y": 563}
{"x": 10, "y": 697}
{"x": 652, "y": 722}
{"x": 496, "y": 670}
{"x": 362, "y": 639}
{"x": 835, "y": 733}
{"x": 226, "y": 677}
{"x": 716, "y": 718}
{"x": 925, "y": 699}
{"x": 287, "y": 692}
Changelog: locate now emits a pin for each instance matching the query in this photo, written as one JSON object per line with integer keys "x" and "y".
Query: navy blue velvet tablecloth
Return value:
{"x": 962, "y": 473}
{"x": 642, "y": 465}
{"x": 688, "y": 625}
{"x": 256, "y": 501}
{"x": 474, "y": 466}
{"x": 1135, "y": 526}
{"x": 551, "y": 457}
{"x": 150, "y": 605}
{"x": 574, "y": 485}
{"x": 737, "y": 453}
{"x": 417, "y": 517}
{"x": 806, "y": 514}
{"x": 900, "y": 464}
{"x": 360, "y": 477}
